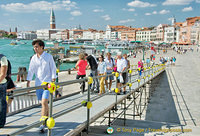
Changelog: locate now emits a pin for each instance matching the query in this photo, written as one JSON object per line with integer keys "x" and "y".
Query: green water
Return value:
{"x": 19, "y": 55}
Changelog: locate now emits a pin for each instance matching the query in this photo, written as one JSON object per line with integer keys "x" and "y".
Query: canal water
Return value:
{"x": 19, "y": 55}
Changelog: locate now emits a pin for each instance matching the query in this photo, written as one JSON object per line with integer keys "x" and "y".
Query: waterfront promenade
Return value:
{"x": 174, "y": 102}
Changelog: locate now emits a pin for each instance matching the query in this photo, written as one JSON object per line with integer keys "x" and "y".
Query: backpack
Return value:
{"x": 9, "y": 66}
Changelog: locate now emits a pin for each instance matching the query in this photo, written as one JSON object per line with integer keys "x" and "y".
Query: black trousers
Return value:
{"x": 81, "y": 76}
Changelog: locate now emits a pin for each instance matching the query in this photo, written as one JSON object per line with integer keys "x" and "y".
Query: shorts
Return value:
{"x": 110, "y": 77}
{"x": 42, "y": 94}
{"x": 124, "y": 78}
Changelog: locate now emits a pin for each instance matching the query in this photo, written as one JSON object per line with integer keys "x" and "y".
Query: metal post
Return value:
{"x": 143, "y": 53}
{"x": 88, "y": 110}
{"x": 109, "y": 118}
{"x": 50, "y": 110}
{"x": 124, "y": 112}
{"x": 116, "y": 96}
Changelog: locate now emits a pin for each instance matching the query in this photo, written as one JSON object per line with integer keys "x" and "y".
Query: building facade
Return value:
{"x": 26, "y": 35}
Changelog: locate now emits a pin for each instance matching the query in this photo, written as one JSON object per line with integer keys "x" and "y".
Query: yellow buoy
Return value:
{"x": 89, "y": 105}
{"x": 45, "y": 83}
{"x": 50, "y": 123}
{"x": 43, "y": 118}
{"x": 138, "y": 80}
{"x": 7, "y": 98}
{"x": 116, "y": 90}
{"x": 51, "y": 87}
{"x": 144, "y": 77}
{"x": 117, "y": 74}
{"x": 90, "y": 80}
{"x": 130, "y": 71}
{"x": 130, "y": 85}
{"x": 57, "y": 70}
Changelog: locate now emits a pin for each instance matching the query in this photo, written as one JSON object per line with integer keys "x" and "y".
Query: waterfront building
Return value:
{"x": 99, "y": 35}
{"x": 195, "y": 31}
{"x": 160, "y": 32}
{"x": 65, "y": 34}
{"x": 52, "y": 20}
{"x": 29, "y": 35}
{"x": 186, "y": 30}
{"x": 45, "y": 34}
{"x": 114, "y": 32}
{"x": 76, "y": 33}
{"x": 153, "y": 34}
{"x": 143, "y": 35}
{"x": 56, "y": 36}
{"x": 88, "y": 34}
{"x": 2, "y": 32}
{"x": 171, "y": 34}
{"x": 129, "y": 35}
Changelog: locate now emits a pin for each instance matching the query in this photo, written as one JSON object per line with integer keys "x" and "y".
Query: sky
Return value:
{"x": 29, "y": 15}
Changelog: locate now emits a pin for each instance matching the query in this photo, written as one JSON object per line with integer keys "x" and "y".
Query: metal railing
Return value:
{"x": 148, "y": 74}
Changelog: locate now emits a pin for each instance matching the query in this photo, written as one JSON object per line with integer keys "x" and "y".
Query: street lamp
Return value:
{"x": 143, "y": 53}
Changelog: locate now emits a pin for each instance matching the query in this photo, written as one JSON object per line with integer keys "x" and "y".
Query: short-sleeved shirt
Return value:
{"x": 121, "y": 63}
{"x": 110, "y": 63}
{"x": 140, "y": 64}
{"x": 102, "y": 67}
{"x": 3, "y": 62}
{"x": 82, "y": 64}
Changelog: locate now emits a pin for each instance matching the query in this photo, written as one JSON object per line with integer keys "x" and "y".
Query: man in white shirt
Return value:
{"x": 3, "y": 87}
{"x": 44, "y": 68}
{"x": 121, "y": 68}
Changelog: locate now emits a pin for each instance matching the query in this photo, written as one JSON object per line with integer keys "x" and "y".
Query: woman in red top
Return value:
{"x": 81, "y": 66}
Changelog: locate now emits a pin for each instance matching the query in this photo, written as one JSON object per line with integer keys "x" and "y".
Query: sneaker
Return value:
{"x": 42, "y": 128}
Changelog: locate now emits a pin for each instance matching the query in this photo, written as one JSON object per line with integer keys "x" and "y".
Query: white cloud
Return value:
{"x": 177, "y": 2}
{"x": 39, "y": 6}
{"x": 154, "y": 12}
{"x": 135, "y": 14}
{"x": 140, "y": 4}
{"x": 106, "y": 17}
{"x": 76, "y": 13}
{"x": 164, "y": 11}
{"x": 126, "y": 21}
{"x": 98, "y": 10}
{"x": 130, "y": 9}
{"x": 147, "y": 14}
{"x": 186, "y": 9}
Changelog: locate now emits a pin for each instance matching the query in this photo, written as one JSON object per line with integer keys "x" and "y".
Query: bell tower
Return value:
{"x": 52, "y": 20}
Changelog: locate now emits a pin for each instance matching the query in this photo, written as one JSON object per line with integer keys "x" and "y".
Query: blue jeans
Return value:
{"x": 95, "y": 81}
{"x": 3, "y": 104}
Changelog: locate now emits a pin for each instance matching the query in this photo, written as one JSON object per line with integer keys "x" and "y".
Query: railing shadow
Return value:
{"x": 162, "y": 106}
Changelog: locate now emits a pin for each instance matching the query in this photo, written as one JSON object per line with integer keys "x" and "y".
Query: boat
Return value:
{"x": 69, "y": 42}
{"x": 13, "y": 43}
{"x": 49, "y": 43}
{"x": 76, "y": 49}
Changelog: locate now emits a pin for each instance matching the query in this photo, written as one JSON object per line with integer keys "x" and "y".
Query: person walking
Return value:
{"x": 81, "y": 66}
{"x": 101, "y": 72}
{"x": 43, "y": 67}
{"x": 3, "y": 86}
{"x": 93, "y": 66}
{"x": 127, "y": 67}
{"x": 110, "y": 64}
{"x": 121, "y": 68}
{"x": 10, "y": 86}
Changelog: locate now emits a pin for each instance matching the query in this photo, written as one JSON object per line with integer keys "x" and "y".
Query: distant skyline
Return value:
{"x": 35, "y": 14}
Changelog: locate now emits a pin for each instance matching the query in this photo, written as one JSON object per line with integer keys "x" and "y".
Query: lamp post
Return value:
{"x": 143, "y": 53}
